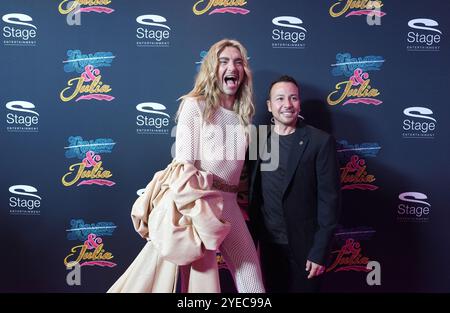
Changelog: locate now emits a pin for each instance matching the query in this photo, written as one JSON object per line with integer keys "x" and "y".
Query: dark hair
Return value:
{"x": 283, "y": 79}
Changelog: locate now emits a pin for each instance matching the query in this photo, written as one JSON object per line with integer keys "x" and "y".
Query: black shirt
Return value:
{"x": 271, "y": 186}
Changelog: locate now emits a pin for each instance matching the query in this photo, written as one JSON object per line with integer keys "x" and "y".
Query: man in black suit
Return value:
{"x": 294, "y": 208}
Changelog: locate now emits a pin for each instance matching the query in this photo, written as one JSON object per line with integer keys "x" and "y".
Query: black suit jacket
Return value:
{"x": 311, "y": 194}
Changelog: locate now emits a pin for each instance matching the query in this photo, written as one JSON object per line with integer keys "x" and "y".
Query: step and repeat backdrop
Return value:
{"x": 88, "y": 96}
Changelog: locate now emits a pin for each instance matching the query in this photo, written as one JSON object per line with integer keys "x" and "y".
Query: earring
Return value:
{"x": 272, "y": 120}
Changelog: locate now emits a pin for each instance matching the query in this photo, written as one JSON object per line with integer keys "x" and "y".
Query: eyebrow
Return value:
{"x": 282, "y": 94}
{"x": 227, "y": 59}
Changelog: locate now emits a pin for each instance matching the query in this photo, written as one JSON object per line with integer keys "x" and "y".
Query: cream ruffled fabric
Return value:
{"x": 181, "y": 217}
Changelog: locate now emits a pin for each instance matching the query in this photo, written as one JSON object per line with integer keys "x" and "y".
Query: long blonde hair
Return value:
{"x": 207, "y": 86}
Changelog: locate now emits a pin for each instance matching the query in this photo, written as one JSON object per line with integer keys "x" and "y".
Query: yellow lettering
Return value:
{"x": 205, "y": 9}
{"x": 343, "y": 95}
{"x": 96, "y": 173}
{"x": 215, "y": 3}
{"x": 75, "y": 3}
{"x": 79, "y": 83}
{"x": 77, "y": 176}
{"x": 96, "y": 86}
{"x": 68, "y": 263}
{"x": 363, "y": 91}
{"x": 340, "y": 8}
{"x": 94, "y": 2}
{"x": 69, "y": 9}
{"x": 342, "y": 11}
{"x": 82, "y": 254}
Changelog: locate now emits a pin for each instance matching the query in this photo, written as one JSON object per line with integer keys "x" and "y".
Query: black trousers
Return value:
{"x": 281, "y": 272}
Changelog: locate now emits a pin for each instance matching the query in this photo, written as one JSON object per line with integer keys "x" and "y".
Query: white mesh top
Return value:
{"x": 217, "y": 146}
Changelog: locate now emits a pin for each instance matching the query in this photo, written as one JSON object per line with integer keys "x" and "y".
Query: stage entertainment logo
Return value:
{"x": 352, "y": 158}
{"x": 21, "y": 117}
{"x": 424, "y": 36}
{"x": 414, "y": 207}
{"x": 288, "y": 32}
{"x": 220, "y": 6}
{"x": 19, "y": 30}
{"x": 88, "y": 85}
{"x": 24, "y": 200}
{"x": 89, "y": 171}
{"x": 152, "y": 119}
{"x": 356, "y": 88}
{"x": 152, "y": 31}
{"x": 419, "y": 123}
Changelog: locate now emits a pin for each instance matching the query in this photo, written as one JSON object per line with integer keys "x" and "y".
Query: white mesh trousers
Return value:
{"x": 239, "y": 250}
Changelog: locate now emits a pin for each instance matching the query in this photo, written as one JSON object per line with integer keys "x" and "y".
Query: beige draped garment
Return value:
{"x": 180, "y": 216}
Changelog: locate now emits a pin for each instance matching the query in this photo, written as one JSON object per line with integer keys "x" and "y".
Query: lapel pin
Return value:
{"x": 301, "y": 142}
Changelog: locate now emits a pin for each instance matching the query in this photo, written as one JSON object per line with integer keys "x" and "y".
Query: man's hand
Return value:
{"x": 314, "y": 269}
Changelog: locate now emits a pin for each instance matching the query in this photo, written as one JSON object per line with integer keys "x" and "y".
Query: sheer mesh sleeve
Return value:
{"x": 188, "y": 132}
